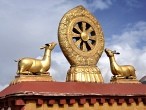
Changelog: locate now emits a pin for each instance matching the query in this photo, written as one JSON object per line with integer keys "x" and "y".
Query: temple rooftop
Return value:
{"x": 73, "y": 89}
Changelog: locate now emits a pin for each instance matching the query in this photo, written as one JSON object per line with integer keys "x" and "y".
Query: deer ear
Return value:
{"x": 47, "y": 44}
{"x": 114, "y": 52}
{"x": 117, "y": 53}
{"x": 106, "y": 50}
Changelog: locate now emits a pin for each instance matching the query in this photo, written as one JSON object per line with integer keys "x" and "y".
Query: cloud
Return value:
{"x": 133, "y": 3}
{"x": 59, "y": 67}
{"x": 130, "y": 43}
{"x": 99, "y": 4}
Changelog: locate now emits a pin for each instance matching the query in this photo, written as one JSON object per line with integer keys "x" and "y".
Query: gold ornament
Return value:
{"x": 36, "y": 66}
{"x": 120, "y": 71}
{"x": 81, "y": 40}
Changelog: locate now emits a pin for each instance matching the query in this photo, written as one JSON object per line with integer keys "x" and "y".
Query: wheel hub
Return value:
{"x": 84, "y": 36}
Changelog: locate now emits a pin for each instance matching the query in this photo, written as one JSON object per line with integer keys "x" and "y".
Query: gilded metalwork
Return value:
{"x": 120, "y": 72}
{"x": 81, "y": 40}
{"x": 36, "y": 66}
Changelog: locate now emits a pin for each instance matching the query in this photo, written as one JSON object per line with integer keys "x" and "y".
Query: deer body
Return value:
{"x": 34, "y": 66}
{"x": 119, "y": 70}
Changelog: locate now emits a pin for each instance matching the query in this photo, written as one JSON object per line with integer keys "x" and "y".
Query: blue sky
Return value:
{"x": 25, "y": 25}
{"x": 120, "y": 14}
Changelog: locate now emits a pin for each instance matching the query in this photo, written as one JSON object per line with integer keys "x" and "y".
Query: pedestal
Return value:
{"x": 124, "y": 81}
{"x": 84, "y": 74}
{"x": 24, "y": 78}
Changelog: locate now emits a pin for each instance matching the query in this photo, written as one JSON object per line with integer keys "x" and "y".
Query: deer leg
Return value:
{"x": 119, "y": 76}
{"x": 132, "y": 77}
{"x": 42, "y": 71}
{"x": 24, "y": 71}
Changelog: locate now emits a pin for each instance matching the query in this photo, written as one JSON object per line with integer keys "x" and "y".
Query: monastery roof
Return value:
{"x": 72, "y": 89}
{"x": 143, "y": 80}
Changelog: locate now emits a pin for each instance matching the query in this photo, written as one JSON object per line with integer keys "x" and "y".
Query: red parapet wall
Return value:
{"x": 73, "y": 94}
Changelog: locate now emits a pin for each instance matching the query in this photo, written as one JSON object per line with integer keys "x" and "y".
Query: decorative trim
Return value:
{"x": 9, "y": 102}
{"x": 51, "y": 101}
{"x": 92, "y": 100}
{"x": 62, "y": 101}
{"x": 82, "y": 101}
{"x": 72, "y": 101}
{"x": 120, "y": 101}
{"x": 40, "y": 101}
{"x": 111, "y": 101}
{"x": 19, "y": 102}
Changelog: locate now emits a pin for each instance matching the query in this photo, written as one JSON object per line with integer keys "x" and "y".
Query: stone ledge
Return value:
{"x": 25, "y": 78}
{"x": 124, "y": 81}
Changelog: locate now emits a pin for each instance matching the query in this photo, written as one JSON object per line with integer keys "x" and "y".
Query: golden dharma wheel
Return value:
{"x": 80, "y": 37}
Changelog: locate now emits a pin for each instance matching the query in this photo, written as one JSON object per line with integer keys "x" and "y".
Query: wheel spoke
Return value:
{"x": 89, "y": 30}
{"x": 83, "y": 36}
{"x": 75, "y": 34}
{"x": 77, "y": 28}
{"x": 92, "y": 37}
{"x": 77, "y": 43}
{"x": 83, "y": 26}
{"x": 90, "y": 45}
{"x": 84, "y": 46}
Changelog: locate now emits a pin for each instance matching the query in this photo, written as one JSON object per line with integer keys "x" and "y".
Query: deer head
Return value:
{"x": 110, "y": 53}
{"x": 49, "y": 46}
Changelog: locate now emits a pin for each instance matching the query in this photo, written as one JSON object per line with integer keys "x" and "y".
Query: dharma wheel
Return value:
{"x": 81, "y": 40}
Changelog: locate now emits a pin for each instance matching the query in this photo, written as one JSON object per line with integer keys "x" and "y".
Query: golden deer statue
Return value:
{"x": 123, "y": 71}
{"x": 36, "y": 66}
